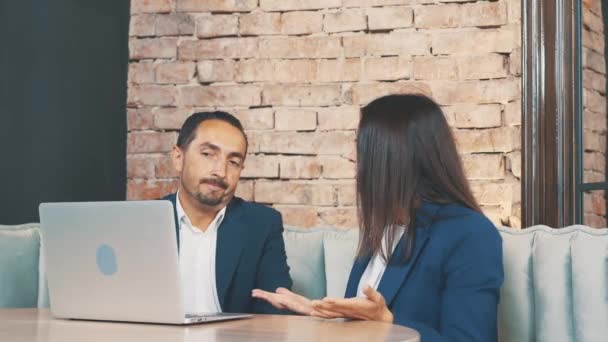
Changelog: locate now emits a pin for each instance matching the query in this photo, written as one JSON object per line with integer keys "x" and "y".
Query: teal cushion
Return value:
{"x": 556, "y": 284}
{"x": 19, "y": 253}
{"x": 552, "y": 288}
{"x": 340, "y": 246}
{"x": 516, "y": 309}
{"x": 304, "y": 249}
{"x": 590, "y": 284}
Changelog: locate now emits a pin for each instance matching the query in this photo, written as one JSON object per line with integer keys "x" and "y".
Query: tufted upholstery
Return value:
{"x": 556, "y": 285}
{"x": 556, "y": 280}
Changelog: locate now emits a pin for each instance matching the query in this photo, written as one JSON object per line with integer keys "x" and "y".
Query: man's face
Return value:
{"x": 211, "y": 165}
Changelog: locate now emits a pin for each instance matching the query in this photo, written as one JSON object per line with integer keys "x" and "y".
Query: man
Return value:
{"x": 227, "y": 246}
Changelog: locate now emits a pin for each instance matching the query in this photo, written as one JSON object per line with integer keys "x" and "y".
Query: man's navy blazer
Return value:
{"x": 250, "y": 254}
{"x": 449, "y": 289}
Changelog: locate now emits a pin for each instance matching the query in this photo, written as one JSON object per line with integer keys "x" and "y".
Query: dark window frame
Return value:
{"x": 552, "y": 114}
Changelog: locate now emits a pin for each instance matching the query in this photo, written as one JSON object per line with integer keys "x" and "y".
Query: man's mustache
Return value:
{"x": 213, "y": 181}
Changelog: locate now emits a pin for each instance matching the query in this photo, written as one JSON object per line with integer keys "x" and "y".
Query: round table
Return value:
{"x": 17, "y": 325}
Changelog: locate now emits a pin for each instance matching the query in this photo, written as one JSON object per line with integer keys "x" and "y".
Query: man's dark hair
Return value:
{"x": 188, "y": 130}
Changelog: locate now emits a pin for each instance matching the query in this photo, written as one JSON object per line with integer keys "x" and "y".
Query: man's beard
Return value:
{"x": 208, "y": 200}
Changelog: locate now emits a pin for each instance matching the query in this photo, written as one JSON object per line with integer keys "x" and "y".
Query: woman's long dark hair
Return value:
{"x": 405, "y": 154}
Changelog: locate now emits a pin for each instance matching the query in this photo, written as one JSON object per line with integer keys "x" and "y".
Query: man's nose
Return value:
{"x": 219, "y": 168}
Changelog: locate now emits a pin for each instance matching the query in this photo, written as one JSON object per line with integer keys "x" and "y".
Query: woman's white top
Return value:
{"x": 375, "y": 269}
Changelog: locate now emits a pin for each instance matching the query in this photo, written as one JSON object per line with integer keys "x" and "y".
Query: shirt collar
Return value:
{"x": 183, "y": 218}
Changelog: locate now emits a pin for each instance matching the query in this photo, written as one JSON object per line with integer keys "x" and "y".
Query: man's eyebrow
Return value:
{"x": 209, "y": 145}
{"x": 217, "y": 148}
{"x": 236, "y": 154}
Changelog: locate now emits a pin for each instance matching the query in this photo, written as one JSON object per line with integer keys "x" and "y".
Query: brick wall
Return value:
{"x": 296, "y": 73}
{"x": 594, "y": 114}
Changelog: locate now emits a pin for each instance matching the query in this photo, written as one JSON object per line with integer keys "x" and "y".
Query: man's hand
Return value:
{"x": 285, "y": 299}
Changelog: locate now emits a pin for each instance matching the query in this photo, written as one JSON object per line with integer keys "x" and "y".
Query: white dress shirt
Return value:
{"x": 375, "y": 269}
{"x": 197, "y": 262}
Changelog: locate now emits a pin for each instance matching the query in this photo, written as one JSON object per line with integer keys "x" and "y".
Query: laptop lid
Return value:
{"x": 112, "y": 261}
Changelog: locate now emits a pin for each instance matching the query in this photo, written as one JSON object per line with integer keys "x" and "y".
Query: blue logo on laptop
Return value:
{"x": 106, "y": 260}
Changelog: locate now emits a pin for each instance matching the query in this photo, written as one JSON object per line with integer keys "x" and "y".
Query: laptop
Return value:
{"x": 115, "y": 261}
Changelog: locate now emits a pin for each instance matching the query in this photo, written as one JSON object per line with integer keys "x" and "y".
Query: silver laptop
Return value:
{"x": 115, "y": 261}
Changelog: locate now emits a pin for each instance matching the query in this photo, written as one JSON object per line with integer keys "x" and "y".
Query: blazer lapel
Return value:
{"x": 172, "y": 198}
{"x": 230, "y": 242}
{"x": 355, "y": 275}
{"x": 396, "y": 272}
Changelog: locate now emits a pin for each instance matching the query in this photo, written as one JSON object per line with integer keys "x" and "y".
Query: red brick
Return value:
{"x": 302, "y": 95}
{"x": 390, "y": 18}
{"x": 338, "y": 118}
{"x": 491, "y": 91}
{"x": 150, "y": 142}
{"x": 280, "y": 71}
{"x": 150, "y": 6}
{"x": 513, "y": 113}
{"x": 215, "y": 70}
{"x": 387, "y": 68}
{"x": 342, "y": 217}
{"x": 175, "y": 73}
{"x": 479, "y": 14}
{"x": 482, "y": 67}
{"x": 174, "y": 25}
{"x": 502, "y": 139}
{"x": 347, "y": 194}
{"x": 336, "y": 167}
{"x": 261, "y": 166}
{"x": 280, "y": 192}
{"x": 142, "y": 25}
{"x": 151, "y": 95}
{"x": 387, "y": 44}
{"x": 139, "y": 189}
{"x": 369, "y": 3}
{"x": 301, "y": 22}
{"x": 217, "y": 26}
{"x": 255, "y": 118}
{"x": 515, "y": 163}
{"x": 224, "y": 95}
{"x": 300, "y": 47}
{"x": 363, "y": 93}
{"x": 216, "y": 5}
{"x": 141, "y": 73}
{"x": 153, "y": 48}
{"x": 163, "y": 167}
{"x": 294, "y": 5}
{"x": 139, "y": 118}
{"x": 483, "y": 166}
{"x": 298, "y": 216}
{"x": 260, "y": 23}
{"x": 339, "y": 70}
{"x": 295, "y": 119}
{"x": 219, "y": 48}
{"x": 335, "y": 142}
{"x": 244, "y": 190}
{"x": 170, "y": 118}
{"x": 515, "y": 62}
{"x": 289, "y": 143}
{"x": 474, "y": 116}
{"x": 140, "y": 166}
{"x": 475, "y": 41}
{"x": 345, "y": 20}
{"x": 298, "y": 167}
{"x": 323, "y": 195}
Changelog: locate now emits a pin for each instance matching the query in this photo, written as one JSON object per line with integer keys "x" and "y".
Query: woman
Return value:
{"x": 417, "y": 212}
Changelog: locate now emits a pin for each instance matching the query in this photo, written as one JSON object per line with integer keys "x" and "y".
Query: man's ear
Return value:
{"x": 177, "y": 157}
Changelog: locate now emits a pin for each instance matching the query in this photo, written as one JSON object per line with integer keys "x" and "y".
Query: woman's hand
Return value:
{"x": 285, "y": 299}
{"x": 372, "y": 308}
